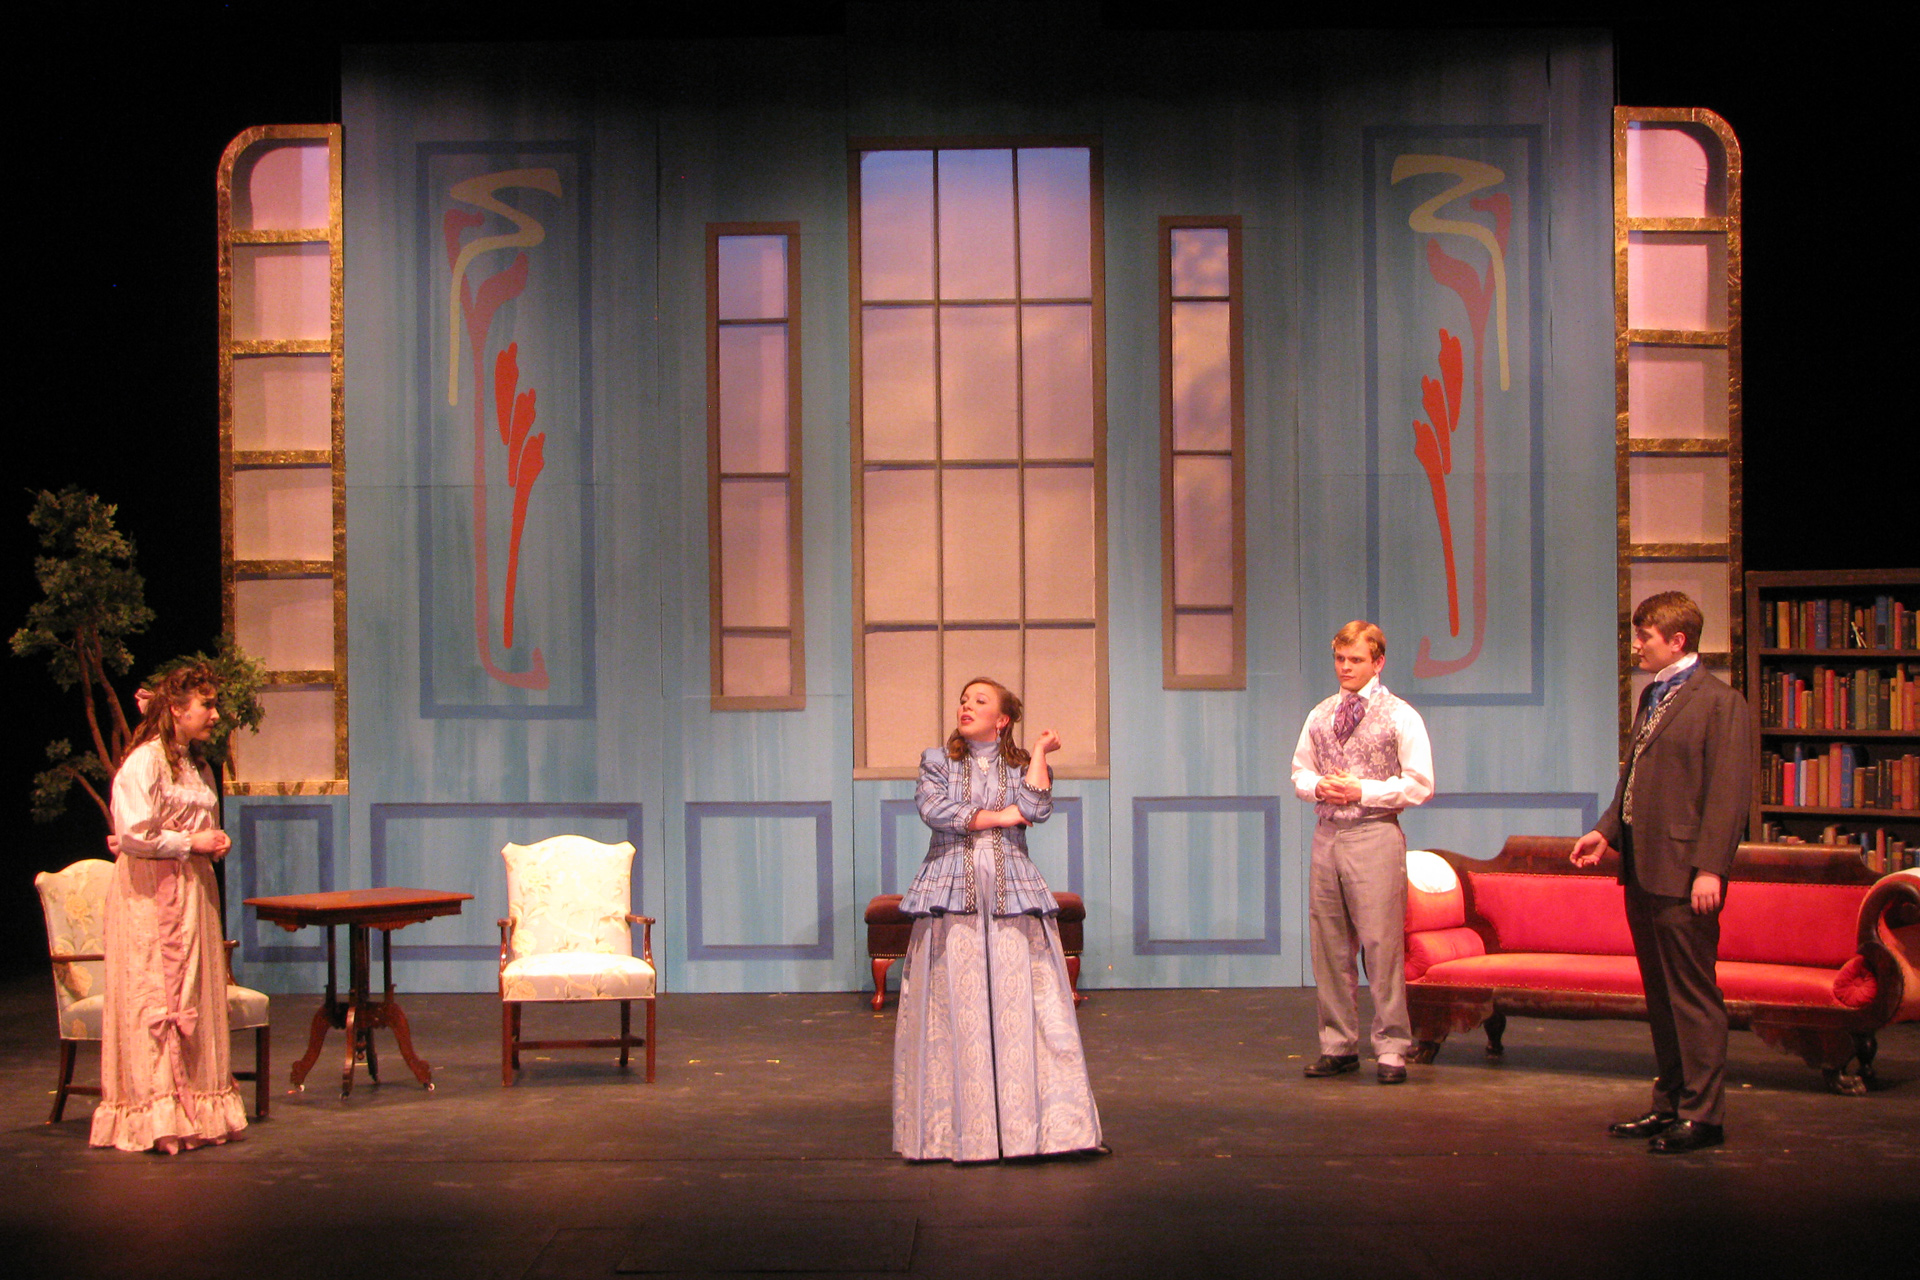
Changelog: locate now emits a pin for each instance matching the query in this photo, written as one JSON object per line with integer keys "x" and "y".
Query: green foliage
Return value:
{"x": 92, "y": 599}
{"x": 239, "y": 678}
{"x": 51, "y": 786}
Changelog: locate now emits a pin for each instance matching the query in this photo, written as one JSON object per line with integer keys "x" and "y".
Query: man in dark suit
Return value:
{"x": 1677, "y": 817}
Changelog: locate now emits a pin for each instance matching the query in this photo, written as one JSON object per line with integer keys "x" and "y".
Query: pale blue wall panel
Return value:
{"x": 753, "y": 818}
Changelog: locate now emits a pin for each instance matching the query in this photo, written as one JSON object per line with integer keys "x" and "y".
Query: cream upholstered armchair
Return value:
{"x": 568, "y": 936}
{"x": 74, "y": 901}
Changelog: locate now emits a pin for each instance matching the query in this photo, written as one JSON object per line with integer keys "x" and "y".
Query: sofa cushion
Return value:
{"x": 1805, "y": 986}
{"x": 1802, "y": 924}
{"x": 1540, "y": 971}
{"x": 1583, "y": 915}
{"x": 1437, "y": 946}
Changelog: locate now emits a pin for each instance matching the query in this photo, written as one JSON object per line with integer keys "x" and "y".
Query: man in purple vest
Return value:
{"x": 1678, "y": 814}
{"x": 1363, "y": 756}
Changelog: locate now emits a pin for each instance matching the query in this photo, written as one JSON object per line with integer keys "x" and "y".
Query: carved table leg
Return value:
{"x": 322, "y": 1023}
{"x": 329, "y": 1015}
{"x": 396, "y": 1018}
{"x": 353, "y": 1035}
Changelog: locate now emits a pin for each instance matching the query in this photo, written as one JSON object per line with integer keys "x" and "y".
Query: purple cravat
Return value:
{"x": 1346, "y": 718}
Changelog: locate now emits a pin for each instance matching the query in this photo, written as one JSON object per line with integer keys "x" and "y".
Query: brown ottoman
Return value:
{"x": 888, "y": 928}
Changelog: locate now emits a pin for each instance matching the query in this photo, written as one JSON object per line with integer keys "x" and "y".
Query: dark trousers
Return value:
{"x": 1676, "y": 950}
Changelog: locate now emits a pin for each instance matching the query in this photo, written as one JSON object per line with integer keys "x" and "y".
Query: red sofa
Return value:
{"x": 1816, "y": 953}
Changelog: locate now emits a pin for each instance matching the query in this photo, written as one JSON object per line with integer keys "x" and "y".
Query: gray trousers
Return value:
{"x": 1357, "y": 902}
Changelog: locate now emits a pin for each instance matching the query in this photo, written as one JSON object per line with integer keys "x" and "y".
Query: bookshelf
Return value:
{"x": 1833, "y": 676}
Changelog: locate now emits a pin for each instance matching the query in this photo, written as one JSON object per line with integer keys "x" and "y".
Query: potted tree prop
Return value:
{"x": 92, "y": 600}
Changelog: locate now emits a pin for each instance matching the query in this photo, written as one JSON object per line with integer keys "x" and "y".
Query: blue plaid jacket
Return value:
{"x": 950, "y": 793}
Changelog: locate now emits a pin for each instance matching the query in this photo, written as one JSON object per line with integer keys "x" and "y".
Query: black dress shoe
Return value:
{"x": 1391, "y": 1073}
{"x": 1687, "y": 1135}
{"x": 1650, "y": 1125}
{"x": 1333, "y": 1064}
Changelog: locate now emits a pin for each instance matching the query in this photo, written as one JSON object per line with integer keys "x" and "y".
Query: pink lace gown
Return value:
{"x": 164, "y": 1068}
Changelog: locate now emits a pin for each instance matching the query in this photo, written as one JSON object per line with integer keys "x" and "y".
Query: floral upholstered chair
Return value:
{"x": 74, "y": 901}
{"x": 568, "y": 936}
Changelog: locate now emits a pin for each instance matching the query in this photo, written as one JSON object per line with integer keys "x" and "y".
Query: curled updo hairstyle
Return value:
{"x": 171, "y": 692}
{"x": 1010, "y": 751}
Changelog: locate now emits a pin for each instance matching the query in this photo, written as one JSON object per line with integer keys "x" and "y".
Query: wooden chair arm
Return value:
{"x": 646, "y": 935}
{"x": 506, "y": 940}
{"x": 56, "y": 958}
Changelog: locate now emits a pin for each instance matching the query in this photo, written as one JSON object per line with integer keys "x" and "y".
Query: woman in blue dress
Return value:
{"x": 987, "y": 1062}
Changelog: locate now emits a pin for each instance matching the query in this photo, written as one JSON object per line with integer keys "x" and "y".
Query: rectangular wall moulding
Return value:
{"x": 757, "y": 647}
{"x": 1676, "y": 289}
{"x": 1202, "y": 456}
{"x": 979, "y": 440}
{"x": 282, "y": 454}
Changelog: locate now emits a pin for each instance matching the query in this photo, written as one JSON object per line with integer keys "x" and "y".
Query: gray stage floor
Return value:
{"x": 764, "y": 1147}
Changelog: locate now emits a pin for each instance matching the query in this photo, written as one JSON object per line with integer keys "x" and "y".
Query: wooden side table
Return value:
{"x": 358, "y": 1015}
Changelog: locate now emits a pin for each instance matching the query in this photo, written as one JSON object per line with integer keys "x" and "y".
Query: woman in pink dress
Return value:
{"x": 165, "y": 1081}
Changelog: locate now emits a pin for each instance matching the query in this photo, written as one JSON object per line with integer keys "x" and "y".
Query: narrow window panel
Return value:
{"x": 1202, "y": 531}
{"x": 1055, "y": 233}
{"x": 1677, "y": 392}
{"x": 896, "y": 382}
{"x": 753, "y": 277}
{"x": 754, "y": 538}
{"x": 282, "y": 187}
{"x": 1682, "y": 499}
{"x": 282, "y": 465}
{"x": 1203, "y": 643}
{"x": 756, "y": 666}
{"x": 282, "y": 292}
{"x": 1201, "y": 265}
{"x": 1056, "y": 380}
{"x": 286, "y": 623}
{"x": 1063, "y": 692}
{"x": 976, "y": 224}
{"x": 1674, "y": 170}
{"x": 753, "y": 397}
{"x": 283, "y": 514}
{"x": 901, "y": 536}
{"x": 980, "y": 565}
{"x": 969, "y": 655}
{"x": 296, "y": 738}
{"x": 979, "y": 383}
{"x": 1677, "y": 281}
{"x": 1202, "y": 375}
{"x": 1203, "y": 610}
{"x": 896, "y": 225}
{"x": 1059, "y": 526}
{"x": 905, "y": 710}
{"x": 283, "y": 402}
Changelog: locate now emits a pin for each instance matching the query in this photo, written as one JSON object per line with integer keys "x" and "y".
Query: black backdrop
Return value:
{"x": 117, "y": 130}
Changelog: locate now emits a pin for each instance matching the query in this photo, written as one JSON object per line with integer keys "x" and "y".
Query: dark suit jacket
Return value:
{"x": 1691, "y": 789}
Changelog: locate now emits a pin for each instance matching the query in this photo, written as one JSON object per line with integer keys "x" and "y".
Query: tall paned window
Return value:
{"x": 756, "y": 637}
{"x": 1203, "y": 524}
{"x": 979, "y": 432}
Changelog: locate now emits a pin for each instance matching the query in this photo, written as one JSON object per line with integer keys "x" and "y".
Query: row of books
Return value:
{"x": 1839, "y": 776}
{"x": 1839, "y": 624}
{"x": 1865, "y": 698}
{"x": 1881, "y": 852}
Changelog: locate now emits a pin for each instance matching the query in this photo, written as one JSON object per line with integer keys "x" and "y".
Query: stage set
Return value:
{"x": 645, "y": 442}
